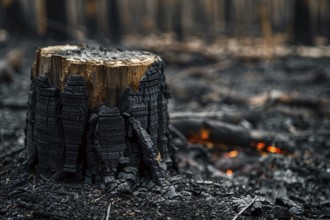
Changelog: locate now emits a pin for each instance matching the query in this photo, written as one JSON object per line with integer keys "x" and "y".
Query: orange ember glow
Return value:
{"x": 202, "y": 137}
{"x": 209, "y": 145}
{"x": 229, "y": 172}
{"x": 261, "y": 146}
{"x": 273, "y": 149}
{"x": 204, "y": 134}
{"x": 233, "y": 153}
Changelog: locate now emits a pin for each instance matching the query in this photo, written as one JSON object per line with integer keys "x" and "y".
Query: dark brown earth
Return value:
{"x": 293, "y": 184}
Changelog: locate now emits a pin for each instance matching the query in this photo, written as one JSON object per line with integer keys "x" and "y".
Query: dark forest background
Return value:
{"x": 305, "y": 22}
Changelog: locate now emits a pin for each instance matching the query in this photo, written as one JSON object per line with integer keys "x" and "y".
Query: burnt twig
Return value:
{"x": 108, "y": 211}
{"x": 219, "y": 132}
{"x": 245, "y": 208}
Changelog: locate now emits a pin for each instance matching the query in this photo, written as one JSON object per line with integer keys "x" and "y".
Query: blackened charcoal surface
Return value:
{"x": 66, "y": 142}
{"x": 92, "y": 162}
{"x": 47, "y": 127}
{"x": 109, "y": 138}
{"x": 74, "y": 116}
{"x": 29, "y": 129}
{"x": 150, "y": 156}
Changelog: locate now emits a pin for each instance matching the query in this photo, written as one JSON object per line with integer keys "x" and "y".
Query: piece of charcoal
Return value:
{"x": 74, "y": 115}
{"x": 91, "y": 154}
{"x": 156, "y": 93}
{"x": 149, "y": 90}
{"x": 166, "y": 147}
{"x": 148, "y": 141}
{"x": 169, "y": 192}
{"x": 294, "y": 208}
{"x": 109, "y": 139}
{"x": 127, "y": 180}
{"x": 150, "y": 157}
{"x": 163, "y": 132}
{"x": 55, "y": 133}
{"x": 133, "y": 104}
{"x": 47, "y": 127}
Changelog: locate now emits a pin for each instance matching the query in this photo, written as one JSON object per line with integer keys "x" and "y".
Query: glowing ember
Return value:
{"x": 231, "y": 154}
{"x": 209, "y": 145}
{"x": 229, "y": 172}
{"x": 202, "y": 137}
{"x": 260, "y": 146}
{"x": 273, "y": 149}
{"x": 204, "y": 134}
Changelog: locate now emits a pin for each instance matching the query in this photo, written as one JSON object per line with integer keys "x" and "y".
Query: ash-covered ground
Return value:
{"x": 287, "y": 96}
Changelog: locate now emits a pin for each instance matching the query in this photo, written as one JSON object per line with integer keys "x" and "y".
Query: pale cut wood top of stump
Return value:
{"x": 107, "y": 72}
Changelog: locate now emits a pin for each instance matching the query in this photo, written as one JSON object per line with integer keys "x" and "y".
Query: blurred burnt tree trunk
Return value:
{"x": 177, "y": 19}
{"x": 320, "y": 18}
{"x": 304, "y": 20}
{"x": 161, "y": 17}
{"x": 328, "y": 22}
{"x": 114, "y": 21}
{"x": 228, "y": 14}
{"x": 90, "y": 19}
{"x": 302, "y": 31}
{"x": 324, "y": 18}
{"x": 56, "y": 19}
{"x": 266, "y": 28}
{"x": 12, "y": 17}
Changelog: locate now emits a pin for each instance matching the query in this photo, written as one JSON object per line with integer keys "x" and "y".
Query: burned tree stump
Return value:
{"x": 99, "y": 114}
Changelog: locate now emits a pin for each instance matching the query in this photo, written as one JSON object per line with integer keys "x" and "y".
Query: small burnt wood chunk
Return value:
{"x": 98, "y": 113}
